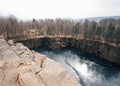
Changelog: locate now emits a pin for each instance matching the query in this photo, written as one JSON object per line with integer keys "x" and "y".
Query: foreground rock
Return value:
{"x": 20, "y": 66}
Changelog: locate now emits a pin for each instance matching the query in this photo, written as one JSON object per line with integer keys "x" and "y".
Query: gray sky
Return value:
{"x": 40, "y": 9}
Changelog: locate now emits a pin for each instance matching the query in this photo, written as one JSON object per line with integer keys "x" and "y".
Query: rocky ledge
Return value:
{"x": 20, "y": 66}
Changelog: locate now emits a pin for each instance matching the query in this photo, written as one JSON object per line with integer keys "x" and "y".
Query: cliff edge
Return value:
{"x": 20, "y": 66}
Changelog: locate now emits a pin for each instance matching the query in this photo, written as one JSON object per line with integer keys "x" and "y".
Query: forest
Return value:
{"x": 107, "y": 30}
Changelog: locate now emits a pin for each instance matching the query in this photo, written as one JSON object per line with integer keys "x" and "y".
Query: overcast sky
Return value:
{"x": 40, "y": 9}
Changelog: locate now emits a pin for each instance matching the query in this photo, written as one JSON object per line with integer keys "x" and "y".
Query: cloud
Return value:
{"x": 28, "y": 9}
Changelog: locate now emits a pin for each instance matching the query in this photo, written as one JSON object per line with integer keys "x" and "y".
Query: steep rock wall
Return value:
{"x": 102, "y": 50}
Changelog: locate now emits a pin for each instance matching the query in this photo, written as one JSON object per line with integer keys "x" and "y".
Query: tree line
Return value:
{"x": 104, "y": 30}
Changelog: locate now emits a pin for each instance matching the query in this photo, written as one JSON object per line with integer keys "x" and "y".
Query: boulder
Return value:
{"x": 10, "y": 42}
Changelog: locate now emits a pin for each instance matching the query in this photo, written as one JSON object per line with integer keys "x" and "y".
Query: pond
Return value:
{"x": 87, "y": 70}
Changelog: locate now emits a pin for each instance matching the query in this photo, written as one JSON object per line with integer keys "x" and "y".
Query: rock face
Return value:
{"x": 102, "y": 50}
{"x": 20, "y": 66}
